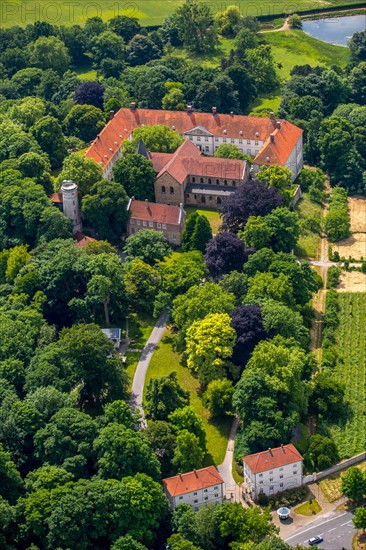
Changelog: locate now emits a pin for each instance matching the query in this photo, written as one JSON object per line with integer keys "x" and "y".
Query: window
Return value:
{"x": 205, "y": 490}
{"x": 294, "y": 472}
{"x": 151, "y": 224}
{"x": 248, "y": 141}
{"x": 249, "y": 151}
{"x": 195, "y": 196}
{"x": 164, "y": 225}
{"x": 217, "y": 182}
{"x": 210, "y": 198}
{"x": 271, "y": 479}
{"x": 209, "y": 180}
{"x": 225, "y": 182}
{"x": 195, "y": 501}
{"x": 256, "y": 142}
{"x": 163, "y": 190}
{"x": 216, "y": 139}
{"x": 144, "y": 224}
{"x": 180, "y": 498}
{"x": 215, "y": 488}
{"x": 240, "y": 141}
{"x": 196, "y": 508}
{"x": 171, "y": 190}
{"x": 158, "y": 225}
{"x": 281, "y": 477}
{"x": 201, "y": 180}
{"x": 203, "y": 199}
{"x": 216, "y": 495}
{"x": 206, "y": 138}
{"x": 271, "y": 487}
{"x": 281, "y": 484}
{"x": 174, "y": 237}
{"x": 190, "y": 137}
{"x": 234, "y": 183}
{"x": 138, "y": 222}
{"x": 218, "y": 200}
{"x": 198, "y": 139}
{"x": 132, "y": 222}
{"x": 233, "y": 141}
{"x": 260, "y": 475}
{"x": 206, "y": 498}
{"x": 271, "y": 472}
{"x": 224, "y": 140}
{"x": 193, "y": 179}
{"x": 281, "y": 469}
{"x": 195, "y": 494}
{"x": 261, "y": 483}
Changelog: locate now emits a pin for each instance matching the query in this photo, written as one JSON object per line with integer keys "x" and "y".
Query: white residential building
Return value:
{"x": 273, "y": 470}
{"x": 195, "y": 488}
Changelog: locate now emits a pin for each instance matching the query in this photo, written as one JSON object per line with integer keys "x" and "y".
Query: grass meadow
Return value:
{"x": 349, "y": 433}
{"x": 309, "y": 240}
{"x": 164, "y": 361}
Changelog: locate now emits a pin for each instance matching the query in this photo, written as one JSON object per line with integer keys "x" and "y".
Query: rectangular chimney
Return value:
{"x": 278, "y": 124}
{"x": 189, "y": 108}
{"x": 272, "y": 138}
{"x": 146, "y": 203}
{"x": 111, "y": 115}
{"x": 214, "y": 110}
{"x": 133, "y": 106}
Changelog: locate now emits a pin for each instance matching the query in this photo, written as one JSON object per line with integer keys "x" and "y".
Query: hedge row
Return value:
{"x": 336, "y": 222}
{"x": 331, "y": 321}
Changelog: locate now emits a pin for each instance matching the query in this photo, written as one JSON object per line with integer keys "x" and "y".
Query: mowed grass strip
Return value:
{"x": 349, "y": 433}
{"x": 212, "y": 215}
{"x": 150, "y": 12}
{"x": 331, "y": 486}
{"x": 308, "y": 243}
{"x": 164, "y": 361}
{"x": 309, "y": 508}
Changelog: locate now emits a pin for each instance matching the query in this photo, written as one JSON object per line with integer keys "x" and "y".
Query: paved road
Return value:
{"x": 225, "y": 468}
{"x": 141, "y": 370}
{"x": 337, "y": 533}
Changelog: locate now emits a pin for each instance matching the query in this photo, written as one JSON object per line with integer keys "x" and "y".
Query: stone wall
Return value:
{"x": 317, "y": 476}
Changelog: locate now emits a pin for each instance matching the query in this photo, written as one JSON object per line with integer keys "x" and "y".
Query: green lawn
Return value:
{"x": 212, "y": 215}
{"x": 294, "y": 47}
{"x": 349, "y": 433}
{"x": 309, "y": 240}
{"x": 309, "y": 508}
{"x": 132, "y": 360}
{"x": 139, "y": 329}
{"x": 150, "y": 12}
{"x": 331, "y": 486}
{"x": 166, "y": 360}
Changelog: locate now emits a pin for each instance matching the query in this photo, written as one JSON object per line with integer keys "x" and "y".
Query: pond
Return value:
{"x": 335, "y": 30}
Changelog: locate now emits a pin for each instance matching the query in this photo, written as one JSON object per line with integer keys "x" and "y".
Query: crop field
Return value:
{"x": 150, "y": 12}
{"x": 349, "y": 433}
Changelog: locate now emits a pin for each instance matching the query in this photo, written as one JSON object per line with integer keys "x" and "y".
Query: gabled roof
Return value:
{"x": 82, "y": 240}
{"x": 272, "y": 458}
{"x": 110, "y": 139}
{"x": 57, "y": 198}
{"x": 278, "y": 150}
{"x": 154, "y": 212}
{"x": 141, "y": 149}
{"x": 192, "y": 481}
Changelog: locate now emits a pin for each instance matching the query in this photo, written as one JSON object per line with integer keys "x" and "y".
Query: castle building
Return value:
{"x": 268, "y": 140}
{"x": 67, "y": 201}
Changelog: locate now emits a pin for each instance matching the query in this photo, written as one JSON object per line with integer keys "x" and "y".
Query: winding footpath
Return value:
{"x": 143, "y": 364}
{"x": 225, "y": 469}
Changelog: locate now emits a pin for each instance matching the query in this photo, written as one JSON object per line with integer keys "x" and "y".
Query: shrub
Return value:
{"x": 336, "y": 222}
{"x": 295, "y": 21}
{"x": 334, "y": 273}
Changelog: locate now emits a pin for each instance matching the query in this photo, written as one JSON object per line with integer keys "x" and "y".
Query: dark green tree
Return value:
{"x": 48, "y": 134}
{"x": 164, "y": 395}
{"x": 137, "y": 176}
{"x": 148, "y": 246}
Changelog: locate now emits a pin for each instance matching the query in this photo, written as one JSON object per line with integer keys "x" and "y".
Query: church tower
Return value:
{"x": 71, "y": 204}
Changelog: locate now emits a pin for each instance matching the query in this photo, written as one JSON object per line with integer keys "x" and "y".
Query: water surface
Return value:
{"x": 335, "y": 30}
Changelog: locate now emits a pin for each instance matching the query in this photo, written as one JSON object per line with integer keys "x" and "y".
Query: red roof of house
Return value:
{"x": 57, "y": 197}
{"x": 109, "y": 141}
{"x": 272, "y": 458}
{"x": 82, "y": 240}
{"x": 151, "y": 211}
{"x": 278, "y": 151}
{"x": 159, "y": 160}
{"x": 192, "y": 481}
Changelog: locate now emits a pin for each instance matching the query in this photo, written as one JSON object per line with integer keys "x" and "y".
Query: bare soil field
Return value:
{"x": 354, "y": 246}
{"x": 352, "y": 281}
{"x": 357, "y": 212}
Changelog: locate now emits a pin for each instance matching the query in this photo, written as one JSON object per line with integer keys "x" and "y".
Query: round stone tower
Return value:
{"x": 71, "y": 204}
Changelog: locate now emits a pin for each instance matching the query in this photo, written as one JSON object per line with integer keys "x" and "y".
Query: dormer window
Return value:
{"x": 201, "y": 180}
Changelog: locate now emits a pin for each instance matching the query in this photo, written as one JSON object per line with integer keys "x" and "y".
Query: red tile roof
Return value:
{"x": 159, "y": 160}
{"x": 151, "y": 211}
{"x": 109, "y": 141}
{"x": 57, "y": 197}
{"x": 82, "y": 240}
{"x": 192, "y": 481}
{"x": 278, "y": 151}
{"x": 274, "y": 458}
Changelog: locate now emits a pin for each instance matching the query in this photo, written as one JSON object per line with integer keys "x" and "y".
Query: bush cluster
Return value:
{"x": 334, "y": 273}
{"x": 337, "y": 221}
{"x": 331, "y": 321}
{"x": 288, "y": 498}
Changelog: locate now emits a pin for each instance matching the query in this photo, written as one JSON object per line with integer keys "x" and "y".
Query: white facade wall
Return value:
{"x": 209, "y": 144}
{"x": 200, "y": 497}
{"x": 295, "y": 161}
{"x": 273, "y": 481}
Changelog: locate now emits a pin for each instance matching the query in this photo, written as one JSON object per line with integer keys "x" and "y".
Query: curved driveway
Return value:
{"x": 143, "y": 364}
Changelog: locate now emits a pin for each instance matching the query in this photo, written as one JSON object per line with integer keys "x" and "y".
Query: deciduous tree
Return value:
{"x": 164, "y": 395}
{"x": 137, "y": 176}
{"x": 148, "y": 246}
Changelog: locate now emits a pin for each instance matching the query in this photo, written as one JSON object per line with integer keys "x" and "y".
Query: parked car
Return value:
{"x": 315, "y": 540}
